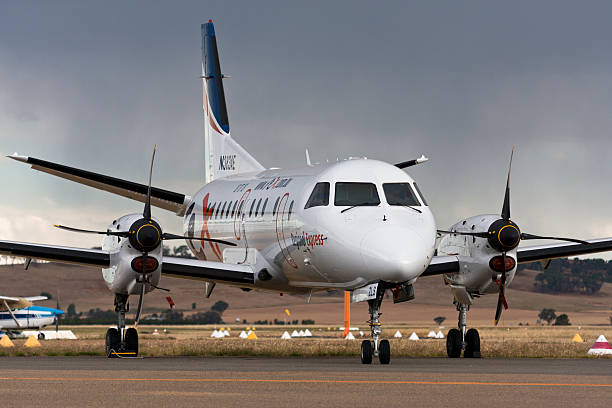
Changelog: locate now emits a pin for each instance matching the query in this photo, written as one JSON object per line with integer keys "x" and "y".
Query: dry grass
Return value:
{"x": 523, "y": 342}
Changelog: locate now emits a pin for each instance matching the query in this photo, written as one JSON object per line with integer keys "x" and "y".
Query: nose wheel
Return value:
{"x": 377, "y": 347}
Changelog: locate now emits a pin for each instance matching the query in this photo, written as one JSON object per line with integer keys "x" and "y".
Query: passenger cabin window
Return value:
{"x": 356, "y": 194}
{"x": 420, "y": 194}
{"x": 400, "y": 194}
{"x": 319, "y": 196}
{"x": 257, "y": 208}
{"x": 290, "y": 211}
{"x": 251, "y": 210}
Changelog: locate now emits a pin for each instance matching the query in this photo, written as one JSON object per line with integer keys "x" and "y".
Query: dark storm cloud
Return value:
{"x": 95, "y": 85}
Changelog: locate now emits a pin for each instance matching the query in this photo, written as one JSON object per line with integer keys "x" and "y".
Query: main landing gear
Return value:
{"x": 380, "y": 348}
{"x": 121, "y": 342}
{"x": 458, "y": 340}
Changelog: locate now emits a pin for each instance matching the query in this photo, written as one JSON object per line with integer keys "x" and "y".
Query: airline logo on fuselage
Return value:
{"x": 227, "y": 162}
{"x": 308, "y": 240}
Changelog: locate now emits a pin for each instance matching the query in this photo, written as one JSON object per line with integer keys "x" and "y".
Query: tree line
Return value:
{"x": 585, "y": 276}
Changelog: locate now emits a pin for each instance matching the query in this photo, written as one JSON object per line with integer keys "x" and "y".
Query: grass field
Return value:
{"x": 514, "y": 342}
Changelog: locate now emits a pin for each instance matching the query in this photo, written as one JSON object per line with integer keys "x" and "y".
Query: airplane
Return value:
{"x": 18, "y": 313}
{"x": 357, "y": 224}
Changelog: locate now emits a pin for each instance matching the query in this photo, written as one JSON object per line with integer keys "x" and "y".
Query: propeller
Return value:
{"x": 126, "y": 234}
{"x": 504, "y": 235}
{"x": 57, "y": 306}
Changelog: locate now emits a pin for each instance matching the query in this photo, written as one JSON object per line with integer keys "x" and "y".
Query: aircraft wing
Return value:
{"x": 546, "y": 252}
{"x": 165, "y": 199}
{"x": 79, "y": 256}
{"x": 440, "y": 265}
{"x": 450, "y": 264}
{"x": 207, "y": 271}
{"x": 35, "y": 298}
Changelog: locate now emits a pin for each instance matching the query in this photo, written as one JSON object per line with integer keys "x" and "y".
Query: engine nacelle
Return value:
{"x": 126, "y": 257}
{"x": 481, "y": 262}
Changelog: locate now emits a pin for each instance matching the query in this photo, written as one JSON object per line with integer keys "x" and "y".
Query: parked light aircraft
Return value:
{"x": 17, "y": 313}
{"x": 357, "y": 224}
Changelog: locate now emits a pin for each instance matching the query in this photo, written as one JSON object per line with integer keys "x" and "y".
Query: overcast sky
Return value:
{"x": 96, "y": 84}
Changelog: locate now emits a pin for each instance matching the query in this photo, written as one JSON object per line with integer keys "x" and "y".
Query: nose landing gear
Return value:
{"x": 121, "y": 342}
{"x": 459, "y": 340}
{"x": 382, "y": 348}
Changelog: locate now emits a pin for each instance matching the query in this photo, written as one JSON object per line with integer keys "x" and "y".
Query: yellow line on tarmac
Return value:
{"x": 304, "y": 381}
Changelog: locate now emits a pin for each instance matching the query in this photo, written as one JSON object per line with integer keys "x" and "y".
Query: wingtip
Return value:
{"x": 18, "y": 157}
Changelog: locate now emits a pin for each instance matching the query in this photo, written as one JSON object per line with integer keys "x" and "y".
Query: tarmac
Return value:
{"x": 304, "y": 382}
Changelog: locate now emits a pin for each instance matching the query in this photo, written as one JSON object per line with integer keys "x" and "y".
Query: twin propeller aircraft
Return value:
{"x": 359, "y": 225}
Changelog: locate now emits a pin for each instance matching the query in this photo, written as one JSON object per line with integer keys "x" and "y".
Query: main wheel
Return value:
{"x": 131, "y": 340}
{"x": 453, "y": 343}
{"x": 472, "y": 344}
{"x": 366, "y": 352}
{"x": 113, "y": 342}
{"x": 384, "y": 352}
{"x": 41, "y": 336}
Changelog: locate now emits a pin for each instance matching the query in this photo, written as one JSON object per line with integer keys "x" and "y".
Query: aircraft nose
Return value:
{"x": 395, "y": 254}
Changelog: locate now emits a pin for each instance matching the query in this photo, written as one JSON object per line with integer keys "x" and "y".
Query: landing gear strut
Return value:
{"x": 381, "y": 348}
{"x": 121, "y": 342}
{"x": 458, "y": 340}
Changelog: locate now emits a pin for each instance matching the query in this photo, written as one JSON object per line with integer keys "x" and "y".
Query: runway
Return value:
{"x": 304, "y": 382}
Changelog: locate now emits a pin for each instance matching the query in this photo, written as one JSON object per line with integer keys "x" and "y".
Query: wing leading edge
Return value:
{"x": 441, "y": 265}
{"x": 171, "y": 266}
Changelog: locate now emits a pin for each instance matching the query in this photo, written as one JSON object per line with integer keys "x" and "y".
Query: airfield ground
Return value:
{"x": 304, "y": 382}
{"x": 496, "y": 342}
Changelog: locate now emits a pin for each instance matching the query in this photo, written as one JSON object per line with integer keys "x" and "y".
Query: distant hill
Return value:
{"x": 85, "y": 288}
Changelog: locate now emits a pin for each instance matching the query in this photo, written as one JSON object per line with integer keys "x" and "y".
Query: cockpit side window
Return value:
{"x": 400, "y": 194}
{"x": 420, "y": 194}
{"x": 319, "y": 196}
{"x": 356, "y": 194}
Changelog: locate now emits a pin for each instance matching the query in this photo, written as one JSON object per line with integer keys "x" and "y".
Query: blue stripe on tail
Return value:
{"x": 213, "y": 76}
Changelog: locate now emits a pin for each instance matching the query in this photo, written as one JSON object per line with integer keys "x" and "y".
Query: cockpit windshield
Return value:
{"x": 400, "y": 194}
{"x": 319, "y": 196}
{"x": 356, "y": 194}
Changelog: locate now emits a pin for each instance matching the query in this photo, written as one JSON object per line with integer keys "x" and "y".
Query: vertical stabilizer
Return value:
{"x": 223, "y": 156}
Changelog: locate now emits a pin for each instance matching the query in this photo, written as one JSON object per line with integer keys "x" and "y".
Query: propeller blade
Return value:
{"x": 499, "y": 306}
{"x": 113, "y": 233}
{"x": 471, "y": 234}
{"x": 166, "y": 236}
{"x": 57, "y": 306}
{"x": 147, "y": 209}
{"x": 505, "y": 214}
{"x": 531, "y": 236}
{"x": 501, "y": 299}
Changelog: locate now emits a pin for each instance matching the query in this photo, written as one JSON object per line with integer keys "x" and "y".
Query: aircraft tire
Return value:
{"x": 366, "y": 352}
{"x": 113, "y": 342}
{"x": 472, "y": 346}
{"x": 453, "y": 343}
{"x": 41, "y": 336}
{"x": 384, "y": 352}
{"x": 131, "y": 340}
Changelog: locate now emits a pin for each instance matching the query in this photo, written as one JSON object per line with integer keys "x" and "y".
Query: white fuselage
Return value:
{"x": 26, "y": 319}
{"x": 318, "y": 247}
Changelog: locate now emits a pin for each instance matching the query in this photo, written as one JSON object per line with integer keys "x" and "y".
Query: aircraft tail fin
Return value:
{"x": 223, "y": 156}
